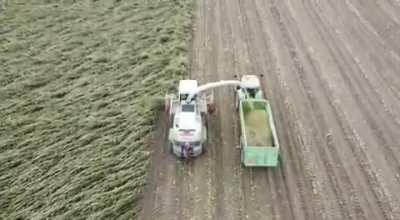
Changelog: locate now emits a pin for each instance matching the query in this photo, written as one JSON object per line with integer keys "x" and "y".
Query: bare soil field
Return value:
{"x": 79, "y": 84}
{"x": 332, "y": 72}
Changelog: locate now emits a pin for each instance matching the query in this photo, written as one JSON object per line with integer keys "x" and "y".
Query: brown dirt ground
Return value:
{"x": 331, "y": 70}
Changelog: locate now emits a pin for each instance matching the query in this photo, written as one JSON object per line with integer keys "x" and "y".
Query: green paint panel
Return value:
{"x": 261, "y": 156}
{"x": 260, "y": 146}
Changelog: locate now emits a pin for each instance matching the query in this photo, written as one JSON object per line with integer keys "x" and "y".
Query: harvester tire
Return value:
{"x": 204, "y": 148}
{"x": 211, "y": 108}
{"x": 167, "y": 104}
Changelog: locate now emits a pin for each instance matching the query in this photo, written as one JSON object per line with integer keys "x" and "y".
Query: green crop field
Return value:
{"x": 80, "y": 85}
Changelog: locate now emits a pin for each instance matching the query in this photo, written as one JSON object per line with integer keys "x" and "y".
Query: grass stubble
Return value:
{"x": 80, "y": 84}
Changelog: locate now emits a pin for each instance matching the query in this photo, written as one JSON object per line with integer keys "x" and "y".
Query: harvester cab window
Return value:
{"x": 187, "y": 108}
{"x": 183, "y": 97}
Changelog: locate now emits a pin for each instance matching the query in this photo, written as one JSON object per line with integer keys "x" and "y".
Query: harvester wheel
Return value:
{"x": 204, "y": 148}
{"x": 210, "y": 103}
{"x": 167, "y": 104}
{"x": 211, "y": 108}
{"x": 205, "y": 144}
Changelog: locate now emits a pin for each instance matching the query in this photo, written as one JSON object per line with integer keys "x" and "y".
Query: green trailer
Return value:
{"x": 258, "y": 139}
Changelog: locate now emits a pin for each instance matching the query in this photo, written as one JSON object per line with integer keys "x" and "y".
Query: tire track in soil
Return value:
{"x": 316, "y": 19}
{"x": 289, "y": 107}
{"x": 353, "y": 81}
{"x": 387, "y": 124}
{"x": 258, "y": 68}
{"x": 317, "y": 116}
{"x": 291, "y": 142}
{"x": 370, "y": 82}
{"x": 390, "y": 31}
{"x": 258, "y": 178}
{"x": 385, "y": 56}
{"x": 385, "y": 115}
{"x": 203, "y": 207}
{"x": 369, "y": 173}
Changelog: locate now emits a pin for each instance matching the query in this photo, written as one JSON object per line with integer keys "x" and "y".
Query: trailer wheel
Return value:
{"x": 241, "y": 159}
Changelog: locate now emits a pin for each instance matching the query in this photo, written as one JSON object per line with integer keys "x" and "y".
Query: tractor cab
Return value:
{"x": 250, "y": 87}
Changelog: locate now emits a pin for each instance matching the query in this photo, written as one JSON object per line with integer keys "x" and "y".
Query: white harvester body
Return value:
{"x": 188, "y": 126}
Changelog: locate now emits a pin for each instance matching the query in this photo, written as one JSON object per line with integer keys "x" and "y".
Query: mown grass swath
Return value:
{"x": 79, "y": 82}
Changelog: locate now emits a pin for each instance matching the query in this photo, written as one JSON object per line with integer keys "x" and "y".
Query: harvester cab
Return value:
{"x": 187, "y": 116}
{"x": 187, "y": 87}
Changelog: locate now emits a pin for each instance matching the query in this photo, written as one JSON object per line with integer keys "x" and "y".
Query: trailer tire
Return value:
{"x": 211, "y": 108}
{"x": 241, "y": 159}
{"x": 167, "y": 104}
